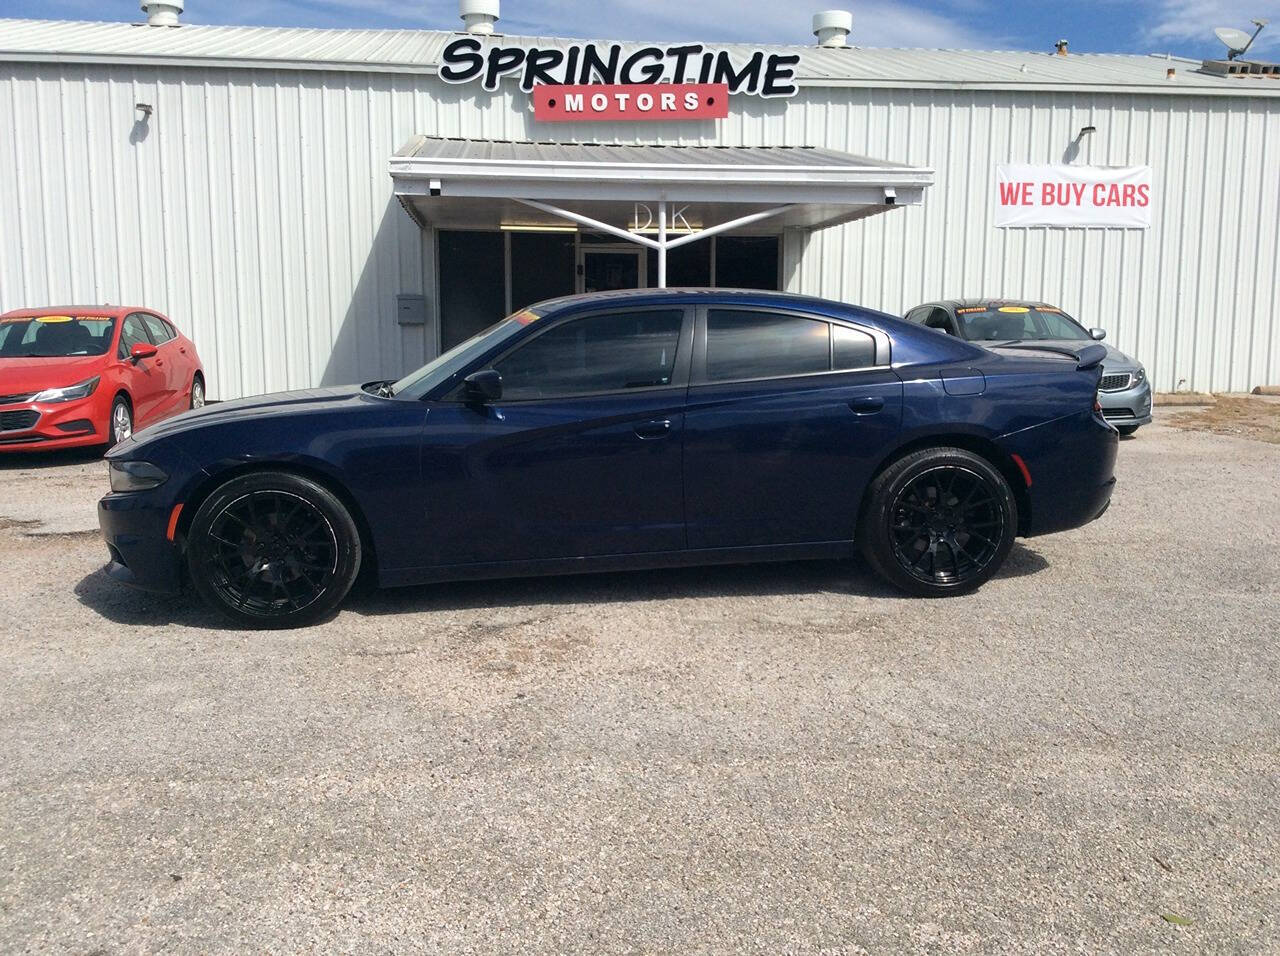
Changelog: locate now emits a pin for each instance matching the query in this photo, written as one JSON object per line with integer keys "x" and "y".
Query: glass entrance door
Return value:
{"x": 605, "y": 269}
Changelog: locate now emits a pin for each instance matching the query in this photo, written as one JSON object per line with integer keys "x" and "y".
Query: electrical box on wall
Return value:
{"x": 411, "y": 309}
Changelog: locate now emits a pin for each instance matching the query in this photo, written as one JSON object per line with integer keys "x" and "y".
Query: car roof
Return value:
{"x": 684, "y": 296}
{"x": 112, "y": 311}
{"x": 969, "y": 303}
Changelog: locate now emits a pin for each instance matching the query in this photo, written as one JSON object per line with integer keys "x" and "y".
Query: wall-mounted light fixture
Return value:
{"x": 145, "y": 109}
{"x": 535, "y": 227}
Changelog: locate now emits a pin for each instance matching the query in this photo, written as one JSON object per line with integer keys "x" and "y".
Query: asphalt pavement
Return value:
{"x": 1082, "y": 756}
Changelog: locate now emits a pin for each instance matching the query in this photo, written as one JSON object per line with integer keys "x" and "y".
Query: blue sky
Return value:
{"x": 1138, "y": 26}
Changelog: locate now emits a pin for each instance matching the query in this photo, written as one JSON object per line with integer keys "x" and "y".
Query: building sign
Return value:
{"x": 1115, "y": 196}
{"x": 657, "y": 101}
{"x": 759, "y": 73}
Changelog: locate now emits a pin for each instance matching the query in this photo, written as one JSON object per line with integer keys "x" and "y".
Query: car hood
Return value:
{"x": 22, "y": 375}
{"x": 259, "y": 406}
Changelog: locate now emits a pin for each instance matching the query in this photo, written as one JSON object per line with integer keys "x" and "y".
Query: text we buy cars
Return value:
{"x": 1073, "y": 196}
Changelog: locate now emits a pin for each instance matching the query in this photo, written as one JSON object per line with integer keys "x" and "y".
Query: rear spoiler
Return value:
{"x": 1087, "y": 356}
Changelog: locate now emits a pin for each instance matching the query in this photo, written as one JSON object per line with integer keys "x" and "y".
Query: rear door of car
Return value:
{"x": 580, "y": 457}
{"x": 788, "y": 414}
{"x": 146, "y": 378}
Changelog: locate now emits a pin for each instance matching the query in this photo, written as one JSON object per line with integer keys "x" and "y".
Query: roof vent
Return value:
{"x": 832, "y": 27}
{"x": 162, "y": 14}
{"x": 1061, "y": 47}
{"x": 479, "y": 16}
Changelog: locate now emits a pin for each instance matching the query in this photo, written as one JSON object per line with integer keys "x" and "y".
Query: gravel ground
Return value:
{"x": 775, "y": 758}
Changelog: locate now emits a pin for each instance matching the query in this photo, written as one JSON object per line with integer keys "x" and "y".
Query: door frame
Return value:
{"x": 610, "y": 249}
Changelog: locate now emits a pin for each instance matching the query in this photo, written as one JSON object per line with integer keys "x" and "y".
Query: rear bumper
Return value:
{"x": 1072, "y": 467}
{"x": 135, "y": 531}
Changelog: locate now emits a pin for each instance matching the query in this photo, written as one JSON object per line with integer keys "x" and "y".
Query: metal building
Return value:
{"x": 321, "y": 206}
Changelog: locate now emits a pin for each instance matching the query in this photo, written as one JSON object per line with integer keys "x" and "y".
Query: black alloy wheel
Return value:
{"x": 273, "y": 549}
{"x": 939, "y": 521}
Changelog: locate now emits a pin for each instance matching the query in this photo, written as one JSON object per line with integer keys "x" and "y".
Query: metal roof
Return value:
{"x": 419, "y": 51}
{"x": 593, "y": 155}
{"x": 442, "y": 178}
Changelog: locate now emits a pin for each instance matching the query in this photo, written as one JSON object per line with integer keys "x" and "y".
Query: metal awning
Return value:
{"x": 657, "y": 196}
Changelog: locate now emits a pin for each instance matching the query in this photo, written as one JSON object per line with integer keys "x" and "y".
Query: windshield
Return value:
{"x": 438, "y": 371}
{"x": 1020, "y": 323}
{"x": 55, "y": 336}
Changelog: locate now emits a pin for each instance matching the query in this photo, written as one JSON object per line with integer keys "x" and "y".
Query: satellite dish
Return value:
{"x": 1237, "y": 41}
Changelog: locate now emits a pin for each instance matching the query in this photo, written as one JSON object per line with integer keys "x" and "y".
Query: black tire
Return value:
{"x": 938, "y": 522}
{"x": 273, "y": 549}
{"x": 119, "y": 421}
{"x": 197, "y": 391}
{"x": 1126, "y": 429}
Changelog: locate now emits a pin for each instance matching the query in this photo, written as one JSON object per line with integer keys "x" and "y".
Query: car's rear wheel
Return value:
{"x": 273, "y": 549}
{"x": 120, "y": 422}
{"x": 197, "y": 391}
{"x": 938, "y": 521}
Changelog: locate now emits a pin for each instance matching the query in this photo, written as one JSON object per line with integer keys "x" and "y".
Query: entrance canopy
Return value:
{"x": 657, "y": 196}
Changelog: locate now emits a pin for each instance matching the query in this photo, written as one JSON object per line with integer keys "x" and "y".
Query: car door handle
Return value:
{"x": 866, "y": 406}
{"x": 659, "y": 428}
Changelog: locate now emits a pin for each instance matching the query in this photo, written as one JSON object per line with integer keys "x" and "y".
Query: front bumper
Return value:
{"x": 1130, "y": 406}
{"x": 135, "y": 530}
{"x": 52, "y": 425}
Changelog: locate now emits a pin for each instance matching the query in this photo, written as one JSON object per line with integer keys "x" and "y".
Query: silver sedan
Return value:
{"x": 1124, "y": 391}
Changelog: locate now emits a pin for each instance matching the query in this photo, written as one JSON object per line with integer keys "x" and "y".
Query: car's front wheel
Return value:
{"x": 120, "y": 422}
{"x": 273, "y": 549}
{"x": 938, "y": 521}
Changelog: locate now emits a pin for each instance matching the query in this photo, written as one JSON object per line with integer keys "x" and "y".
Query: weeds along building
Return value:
{"x": 325, "y": 206}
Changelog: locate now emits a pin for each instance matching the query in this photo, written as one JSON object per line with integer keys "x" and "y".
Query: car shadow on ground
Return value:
{"x": 742, "y": 580}
{"x": 19, "y": 460}
{"x": 124, "y": 605}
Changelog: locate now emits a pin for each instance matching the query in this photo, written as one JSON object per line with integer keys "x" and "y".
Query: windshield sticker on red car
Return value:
{"x": 54, "y": 318}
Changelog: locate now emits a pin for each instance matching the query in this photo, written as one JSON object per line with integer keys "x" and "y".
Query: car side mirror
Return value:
{"x": 482, "y": 387}
{"x": 1098, "y": 334}
{"x": 142, "y": 350}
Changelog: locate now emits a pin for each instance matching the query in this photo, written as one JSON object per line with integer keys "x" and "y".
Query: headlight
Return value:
{"x": 134, "y": 475}
{"x": 68, "y": 394}
{"x": 1139, "y": 376}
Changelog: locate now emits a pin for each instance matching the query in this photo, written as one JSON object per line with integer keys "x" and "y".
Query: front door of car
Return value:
{"x": 145, "y": 379}
{"x": 169, "y": 361}
{"x": 581, "y": 456}
{"x": 787, "y": 416}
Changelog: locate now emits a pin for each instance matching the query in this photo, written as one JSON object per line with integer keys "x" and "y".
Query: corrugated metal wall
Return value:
{"x": 255, "y": 208}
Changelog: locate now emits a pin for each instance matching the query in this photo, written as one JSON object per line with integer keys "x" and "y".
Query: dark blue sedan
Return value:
{"x": 618, "y": 431}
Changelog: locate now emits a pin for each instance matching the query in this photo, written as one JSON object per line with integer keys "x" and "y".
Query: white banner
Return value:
{"x": 1116, "y": 196}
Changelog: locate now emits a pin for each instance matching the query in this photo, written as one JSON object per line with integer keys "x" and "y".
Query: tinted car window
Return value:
{"x": 851, "y": 349}
{"x": 131, "y": 333}
{"x": 745, "y": 345}
{"x": 603, "y": 353}
{"x": 55, "y": 335}
{"x": 160, "y": 330}
{"x": 995, "y": 323}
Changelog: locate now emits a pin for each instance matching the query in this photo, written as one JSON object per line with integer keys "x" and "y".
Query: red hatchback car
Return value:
{"x": 90, "y": 375}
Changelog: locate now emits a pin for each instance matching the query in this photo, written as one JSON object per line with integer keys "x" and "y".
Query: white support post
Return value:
{"x": 662, "y": 244}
